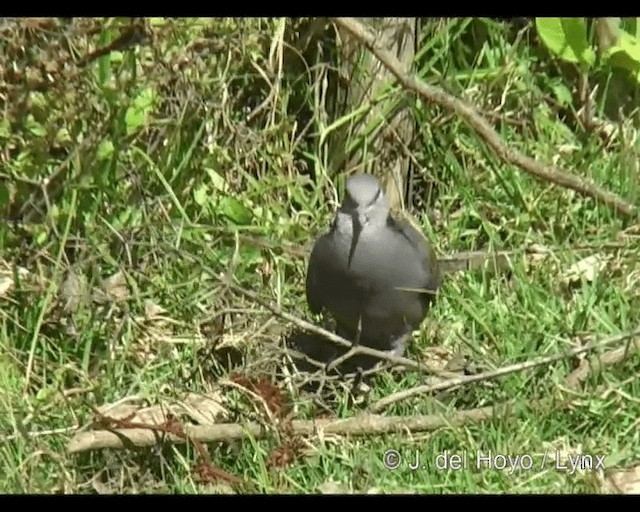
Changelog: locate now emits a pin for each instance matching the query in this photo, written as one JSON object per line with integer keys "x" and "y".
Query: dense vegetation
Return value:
{"x": 141, "y": 160}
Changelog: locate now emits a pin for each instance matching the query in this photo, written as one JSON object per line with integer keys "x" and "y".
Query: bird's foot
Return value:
{"x": 398, "y": 346}
{"x": 356, "y": 338}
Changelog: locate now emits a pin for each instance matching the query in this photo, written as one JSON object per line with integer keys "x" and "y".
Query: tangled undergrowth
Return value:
{"x": 146, "y": 161}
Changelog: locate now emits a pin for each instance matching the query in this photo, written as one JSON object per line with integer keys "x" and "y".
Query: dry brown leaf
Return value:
{"x": 6, "y": 283}
{"x": 587, "y": 268}
{"x": 623, "y": 481}
{"x": 114, "y": 288}
{"x": 333, "y": 488}
{"x": 537, "y": 253}
{"x": 153, "y": 311}
{"x": 154, "y": 415}
{"x": 632, "y": 280}
{"x": 218, "y": 489}
{"x": 100, "y": 487}
{"x": 6, "y": 277}
{"x": 203, "y": 409}
{"x": 457, "y": 363}
{"x": 74, "y": 291}
{"x": 437, "y": 357}
{"x": 579, "y": 375}
{"x": 567, "y": 149}
{"x": 399, "y": 490}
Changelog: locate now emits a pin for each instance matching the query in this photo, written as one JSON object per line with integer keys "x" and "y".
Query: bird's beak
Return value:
{"x": 358, "y": 221}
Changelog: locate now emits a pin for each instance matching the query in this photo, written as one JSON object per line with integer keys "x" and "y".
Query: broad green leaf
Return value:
{"x": 145, "y": 99}
{"x": 630, "y": 45}
{"x": 235, "y": 210}
{"x": 200, "y": 194}
{"x": 134, "y": 119}
{"x": 116, "y": 56}
{"x": 626, "y": 54}
{"x": 138, "y": 113}
{"x": 62, "y": 136}
{"x": 620, "y": 59}
{"x": 5, "y": 128}
{"x": 631, "y": 25}
{"x": 38, "y": 99}
{"x": 566, "y": 38}
{"x": 105, "y": 150}
{"x": 562, "y": 94}
{"x": 218, "y": 182}
{"x": 41, "y": 238}
{"x": 34, "y": 126}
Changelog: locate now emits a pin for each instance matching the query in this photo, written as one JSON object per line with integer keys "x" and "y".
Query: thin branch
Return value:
{"x": 385, "y": 402}
{"x": 469, "y": 113}
{"x": 588, "y": 368}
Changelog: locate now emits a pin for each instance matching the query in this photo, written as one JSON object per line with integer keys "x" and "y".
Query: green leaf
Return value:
{"x": 562, "y": 94}
{"x": 105, "y": 150}
{"x": 200, "y": 194}
{"x": 34, "y": 126}
{"x": 4, "y": 196}
{"x": 116, "y": 56}
{"x": 630, "y": 45}
{"x": 566, "y": 38}
{"x": 138, "y": 113}
{"x": 631, "y": 25}
{"x": 41, "y": 238}
{"x": 158, "y": 22}
{"x": 63, "y": 136}
{"x": 626, "y": 54}
{"x": 234, "y": 210}
{"x": 218, "y": 182}
{"x": 5, "y": 129}
{"x": 618, "y": 58}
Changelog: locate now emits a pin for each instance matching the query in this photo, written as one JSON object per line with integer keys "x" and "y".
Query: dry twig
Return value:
{"x": 171, "y": 427}
{"x": 500, "y": 372}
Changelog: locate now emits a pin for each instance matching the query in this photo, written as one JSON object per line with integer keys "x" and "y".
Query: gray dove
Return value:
{"x": 376, "y": 275}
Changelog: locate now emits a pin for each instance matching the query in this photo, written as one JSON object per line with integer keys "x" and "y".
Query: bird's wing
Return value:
{"x": 316, "y": 273}
{"x": 402, "y": 223}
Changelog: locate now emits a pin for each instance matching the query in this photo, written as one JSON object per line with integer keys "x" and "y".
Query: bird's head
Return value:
{"x": 365, "y": 204}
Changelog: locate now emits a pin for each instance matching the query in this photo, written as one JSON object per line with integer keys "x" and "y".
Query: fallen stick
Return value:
{"x": 468, "y": 112}
{"x": 364, "y": 424}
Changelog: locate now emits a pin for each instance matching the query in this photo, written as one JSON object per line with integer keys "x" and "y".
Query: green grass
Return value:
{"x": 174, "y": 192}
